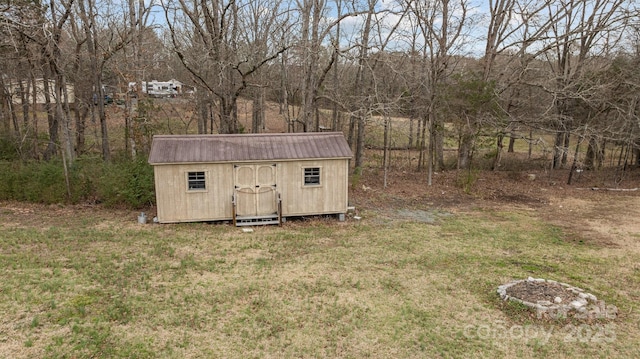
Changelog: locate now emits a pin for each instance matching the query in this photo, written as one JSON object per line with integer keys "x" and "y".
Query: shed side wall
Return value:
{"x": 177, "y": 204}
{"x": 299, "y": 200}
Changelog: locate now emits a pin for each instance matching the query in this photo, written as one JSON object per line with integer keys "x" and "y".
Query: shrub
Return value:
{"x": 121, "y": 183}
{"x": 7, "y": 177}
{"x": 139, "y": 186}
{"x": 466, "y": 179}
{"x": 33, "y": 181}
{"x": 126, "y": 182}
{"x": 7, "y": 150}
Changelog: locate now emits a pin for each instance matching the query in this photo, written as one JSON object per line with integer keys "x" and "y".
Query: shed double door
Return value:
{"x": 255, "y": 189}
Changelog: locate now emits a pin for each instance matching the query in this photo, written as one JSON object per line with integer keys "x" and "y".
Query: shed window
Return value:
{"x": 196, "y": 181}
{"x": 312, "y": 176}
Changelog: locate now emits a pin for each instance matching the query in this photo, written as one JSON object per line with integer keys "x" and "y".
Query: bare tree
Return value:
{"x": 45, "y": 30}
{"x": 35, "y": 33}
{"x": 208, "y": 38}
{"x": 260, "y": 38}
{"x": 441, "y": 25}
{"x": 581, "y": 33}
{"x": 361, "y": 86}
{"x": 315, "y": 59}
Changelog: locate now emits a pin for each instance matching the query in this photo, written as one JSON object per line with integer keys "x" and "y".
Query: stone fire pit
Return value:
{"x": 553, "y": 299}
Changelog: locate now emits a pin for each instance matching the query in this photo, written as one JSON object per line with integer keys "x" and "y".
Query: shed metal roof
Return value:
{"x": 167, "y": 149}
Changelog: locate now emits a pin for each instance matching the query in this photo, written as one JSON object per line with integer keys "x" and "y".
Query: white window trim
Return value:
{"x": 320, "y": 177}
{"x": 206, "y": 182}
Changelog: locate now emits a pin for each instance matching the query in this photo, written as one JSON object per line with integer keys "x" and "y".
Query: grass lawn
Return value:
{"x": 93, "y": 283}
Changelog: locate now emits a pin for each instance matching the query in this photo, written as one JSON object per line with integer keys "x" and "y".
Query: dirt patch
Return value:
{"x": 599, "y": 216}
{"x": 18, "y": 214}
{"x": 534, "y": 292}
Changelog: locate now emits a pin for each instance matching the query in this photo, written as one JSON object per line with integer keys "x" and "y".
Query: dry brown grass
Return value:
{"x": 82, "y": 281}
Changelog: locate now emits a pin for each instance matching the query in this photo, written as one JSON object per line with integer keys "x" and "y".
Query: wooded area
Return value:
{"x": 460, "y": 72}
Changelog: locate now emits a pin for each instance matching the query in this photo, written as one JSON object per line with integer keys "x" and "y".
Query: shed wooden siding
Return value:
{"x": 177, "y": 204}
{"x": 330, "y": 197}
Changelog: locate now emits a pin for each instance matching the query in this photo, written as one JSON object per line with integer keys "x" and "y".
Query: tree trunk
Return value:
{"x": 257, "y": 113}
{"x": 202, "y": 115}
{"x": 498, "y": 158}
{"x": 558, "y": 149}
{"x": 512, "y": 142}
{"x": 104, "y": 135}
{"x": 530, "y": 143}
{"x": 24, "y": 97}
{"x": 335, "y": 116}
{"x": 52, "y": 120}
{"x": 352, "y": 130}
{"x": 410, "y": 143}
{"x": 386, "y": 155}
{"x": 438, "y": 133}
{"x": 311, "y": 16}
{"x": 432, "y": 150}
{"x": 422, "y": 142}
{"x": 464, "y": 150}
{"x": 574, "y": 165}
{"x": 361, "y": 92}
{"x": 595, "y": 154}
{"x": 6, "y": 103}
{"x": 80, "y": 113}
{"x": 465, "y": 147}
{"x": 35, "y": 145}
{"x": 62, "y": 111}
{"x": 360, "y": 142}
{"x": 228, "y": 115}
{"x": 418, "y": 131}
{"x": 565, "y": 148}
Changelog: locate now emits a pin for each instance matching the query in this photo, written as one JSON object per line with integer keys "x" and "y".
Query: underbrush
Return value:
{"x": 122, "y": 182}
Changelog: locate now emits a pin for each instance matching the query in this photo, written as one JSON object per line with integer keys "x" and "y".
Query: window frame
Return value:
{"x": 203, "y": 180}
{"x": 306, "y": 177}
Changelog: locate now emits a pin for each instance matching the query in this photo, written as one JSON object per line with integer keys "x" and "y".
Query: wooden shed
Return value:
{"x": 250, "y": 178}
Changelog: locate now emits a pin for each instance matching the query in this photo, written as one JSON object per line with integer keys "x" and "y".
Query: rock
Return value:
{"x": 557, "y": 300}
{"x": 591, "y": 297}
{"x": 578, "y": 303}
{"x": 544, "y": 302}
{"x": 541, "y": 309}
{"x": 502, "y": 292}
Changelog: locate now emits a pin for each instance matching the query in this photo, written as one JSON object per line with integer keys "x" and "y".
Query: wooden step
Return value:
{"x": 256, "y": 220}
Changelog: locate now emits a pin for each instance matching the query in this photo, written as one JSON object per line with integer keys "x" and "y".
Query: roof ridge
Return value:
{"x": 274, "y": 134}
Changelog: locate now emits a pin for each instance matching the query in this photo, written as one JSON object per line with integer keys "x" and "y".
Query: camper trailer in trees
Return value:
{"x": 155, "y": 88}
